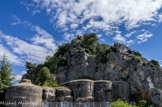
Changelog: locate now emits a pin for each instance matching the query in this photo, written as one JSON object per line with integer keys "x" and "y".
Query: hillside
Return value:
{"x": 86, "y": 58}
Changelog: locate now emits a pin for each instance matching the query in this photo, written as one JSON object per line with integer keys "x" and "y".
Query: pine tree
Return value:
{"x": 6, "y": 77}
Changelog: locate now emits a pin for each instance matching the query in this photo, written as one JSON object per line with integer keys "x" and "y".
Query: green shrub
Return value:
{"x": 113, "y": 49}
{"x": 101, "y": 47}
{"x": 130, "y": 51}
{"x": 142, "y": 103}
{"x": 63, "y": 61}
{"x": 89, "y": 39}
{"x": 88, "y": 51}
{"x": 156, "y": 63}
{"x": 120, "y": 103}
{"x": 151, "y": 64}
{"x": 137, "y": 58}
{"x": 44, "y": 75}
{"x": 53, "y": 65}
{"x": 62, "y": 49}
{"x": 51, "y": 83}
{"x": 137, "y": 53}
{"x": 144, "y": 64}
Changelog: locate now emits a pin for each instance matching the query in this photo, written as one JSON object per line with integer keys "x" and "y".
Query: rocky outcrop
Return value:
{"x": 103, "y": 91}
{"x": 120, "y": 64}
{"x": 113, "y": 63}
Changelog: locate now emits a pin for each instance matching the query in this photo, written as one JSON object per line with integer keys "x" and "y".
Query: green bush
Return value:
{"x": 130, "y": 51}
{"x": 62, "y": 49}
{"x": 142, "y": 103}
{"x": 151, "y": 64}
{"x": 88, "y": 51}
{"x": 44, "y": 75}
{"x": 120, "y": 103}
{"x": 137, "y": 53}
{"x": 62, "y": 61}
{"x": 156, "y": 63}
{"x": 89, "y": 39}
{"x": 101, "y": 47}
{"x": 51, "y": 83}
{"x": 113, "y": 49}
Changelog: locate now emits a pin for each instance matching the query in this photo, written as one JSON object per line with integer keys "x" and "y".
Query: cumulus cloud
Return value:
{"x": 42, "y": 45}
{"x": 12, "y": 57}
{"x": 99, "y": 15}
{"x": 119, "y": 38}
{"x": 42, "y": 37}
{"x": 144, "y": 37}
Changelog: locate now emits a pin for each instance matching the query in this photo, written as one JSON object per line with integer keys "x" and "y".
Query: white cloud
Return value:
{"x": 95, "y": 16}
{"x": 144, "y": 37}
{"x": 109, "y": 12}
{"x": 99, "y": 36}
{"x": 10, "y": 56}
{"x": 19, "y": 76}
{"x": 42, "y": 37}
{"x": 130, "y": 34}
{"x": 33, "y": 52}
{"x": 103, "y": 40}
{"x": 119, "y": 38}
{"x": 74, "y": 26}
{"x": 68, "y": 36}
{"x": 129, "y": 42}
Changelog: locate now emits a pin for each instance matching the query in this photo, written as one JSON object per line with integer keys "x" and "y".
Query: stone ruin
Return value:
{"x": 80, "y": 93}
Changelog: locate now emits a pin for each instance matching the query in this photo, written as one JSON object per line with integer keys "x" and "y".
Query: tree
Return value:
{"x": 44, "y": 75}
{"x": 90, "y": 39}
{"x": 6, "y": 76}
{"x": 30, "y": 67}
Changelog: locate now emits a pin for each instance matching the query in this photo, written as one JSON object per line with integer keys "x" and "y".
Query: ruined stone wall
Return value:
{"x": 78, "y": 91}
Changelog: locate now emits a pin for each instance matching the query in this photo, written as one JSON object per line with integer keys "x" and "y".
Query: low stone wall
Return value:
{"x": 80, "y": 93}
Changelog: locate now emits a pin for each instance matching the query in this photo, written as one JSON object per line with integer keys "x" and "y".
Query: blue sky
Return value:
{"x": 30, "y": 30}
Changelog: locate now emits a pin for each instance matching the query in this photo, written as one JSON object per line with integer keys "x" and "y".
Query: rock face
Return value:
{"x": 64, "y": 95}
{"x": 120, "y": 91}
{"x": 118, "y": 63}
{"x": 102, "y": 91}
{"x": 24, "y": 94}
{"x": 82, "y": 89}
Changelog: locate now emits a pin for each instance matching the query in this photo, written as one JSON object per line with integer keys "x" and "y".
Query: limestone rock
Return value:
{"x": 63, "y": 95}
{"x": 120, "y": 91}
{"x": 156, "y": 97}
{"x": 82, "y": 89}
{"x": 102, "y": 91}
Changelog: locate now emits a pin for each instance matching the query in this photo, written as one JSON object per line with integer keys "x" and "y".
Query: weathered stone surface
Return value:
{"x": 119, "y": 64}
{"x": 102, "y": 91}
{"x": 24, "y": 94}
{"x": 49, "y": 94}
{"x": 156, "y": 97}
{"x": 63, "y": 95}
{"x": 120, "y": 90}
{"x": 82, "y": 89}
